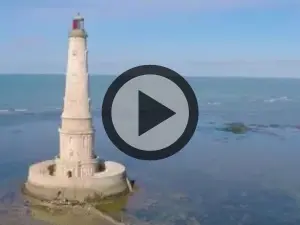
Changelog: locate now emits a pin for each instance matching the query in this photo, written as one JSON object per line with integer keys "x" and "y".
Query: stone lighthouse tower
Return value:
{"x": 76, "y": 156}
{"x": 76, "y": 173}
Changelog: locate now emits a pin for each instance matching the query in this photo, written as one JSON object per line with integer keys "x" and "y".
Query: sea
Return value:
{"x": 219, "y": 178}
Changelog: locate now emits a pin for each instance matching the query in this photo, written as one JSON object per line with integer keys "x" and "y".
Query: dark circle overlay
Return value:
{"x": 141, "y": 71}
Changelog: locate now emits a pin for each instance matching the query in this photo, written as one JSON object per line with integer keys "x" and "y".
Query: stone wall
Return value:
{"x": 106, "y": 183}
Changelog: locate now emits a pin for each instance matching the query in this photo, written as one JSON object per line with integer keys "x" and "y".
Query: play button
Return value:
{"x": 150, "y": 112}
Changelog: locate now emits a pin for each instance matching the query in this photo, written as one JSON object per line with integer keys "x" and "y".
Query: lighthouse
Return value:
{"x": 76, "y": 173}
{"x": 76, "y": 134}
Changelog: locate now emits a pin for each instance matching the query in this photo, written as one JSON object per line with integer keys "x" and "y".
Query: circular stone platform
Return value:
{"x": 109, "y": 182}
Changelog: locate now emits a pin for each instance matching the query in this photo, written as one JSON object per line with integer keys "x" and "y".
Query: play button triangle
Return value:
{"x": 151, "y": 113}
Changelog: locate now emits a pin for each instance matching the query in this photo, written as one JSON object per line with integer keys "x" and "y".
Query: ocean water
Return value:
{"x": 218, "y": 178}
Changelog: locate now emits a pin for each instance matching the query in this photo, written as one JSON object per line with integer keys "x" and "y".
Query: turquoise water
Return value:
{"x": 219, "y": 178}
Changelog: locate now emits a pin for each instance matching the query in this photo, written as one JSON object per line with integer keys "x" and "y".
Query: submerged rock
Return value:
{"x": 107, "y": 212}
{"x": 236, "y": 128}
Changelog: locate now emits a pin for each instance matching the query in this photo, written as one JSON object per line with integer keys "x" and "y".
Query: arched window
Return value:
{"x": 69, "y": 174}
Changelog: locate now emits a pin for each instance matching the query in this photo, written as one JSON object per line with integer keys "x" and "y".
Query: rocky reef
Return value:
{"x": 236, "y": 128}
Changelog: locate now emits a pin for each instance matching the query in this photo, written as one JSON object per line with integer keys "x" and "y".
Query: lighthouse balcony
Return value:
{"x": 78, "y": 33}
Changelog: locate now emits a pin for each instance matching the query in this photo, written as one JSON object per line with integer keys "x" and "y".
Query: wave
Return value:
{"x": 42, "y": 111}
{"x": 18, "y": 116}
{"x": 4, "y": 111}
{"x": 12, "y": 110}
{"x": 9, "y": 117}
{"x": 213, "y": 103}
{"x": 243, "y": 100}
{"x": 209, "y": 103}
{"x": 278, "y": 99}
{"x": 25, "y": 111}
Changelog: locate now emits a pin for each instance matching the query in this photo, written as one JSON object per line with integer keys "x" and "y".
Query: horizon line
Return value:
{"x": 115, "y": 75}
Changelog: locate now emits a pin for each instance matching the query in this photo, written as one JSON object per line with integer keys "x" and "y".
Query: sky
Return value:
{"x": 193, "y": 37}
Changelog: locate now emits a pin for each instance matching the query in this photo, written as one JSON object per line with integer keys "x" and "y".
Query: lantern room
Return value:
{"x": 78, "y": 23}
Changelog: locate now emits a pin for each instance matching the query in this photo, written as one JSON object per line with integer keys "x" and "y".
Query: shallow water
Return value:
{"x": 218, "y": 178}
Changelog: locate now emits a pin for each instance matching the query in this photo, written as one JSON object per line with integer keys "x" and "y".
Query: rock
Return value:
{"x": 236, "y": 128}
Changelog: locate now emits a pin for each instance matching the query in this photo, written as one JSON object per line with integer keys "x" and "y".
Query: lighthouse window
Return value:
{"x": 74, "y": 53}
{"x": 81, "y": 24}
{"x": 75, "y": 24}
{"x": 78, "y": 24}
{"x": 69, "y": 174}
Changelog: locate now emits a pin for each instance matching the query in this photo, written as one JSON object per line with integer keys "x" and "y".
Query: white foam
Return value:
{"x": 279, "y": 99}
{"x": 20, "y": 110}
{"x": 12, "y": 110}
{"x": 214, "y": 103}
{"x": 2, "y": 111}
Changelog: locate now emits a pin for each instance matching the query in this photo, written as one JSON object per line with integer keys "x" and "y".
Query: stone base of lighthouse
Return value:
{"x": 43, "y": 183}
